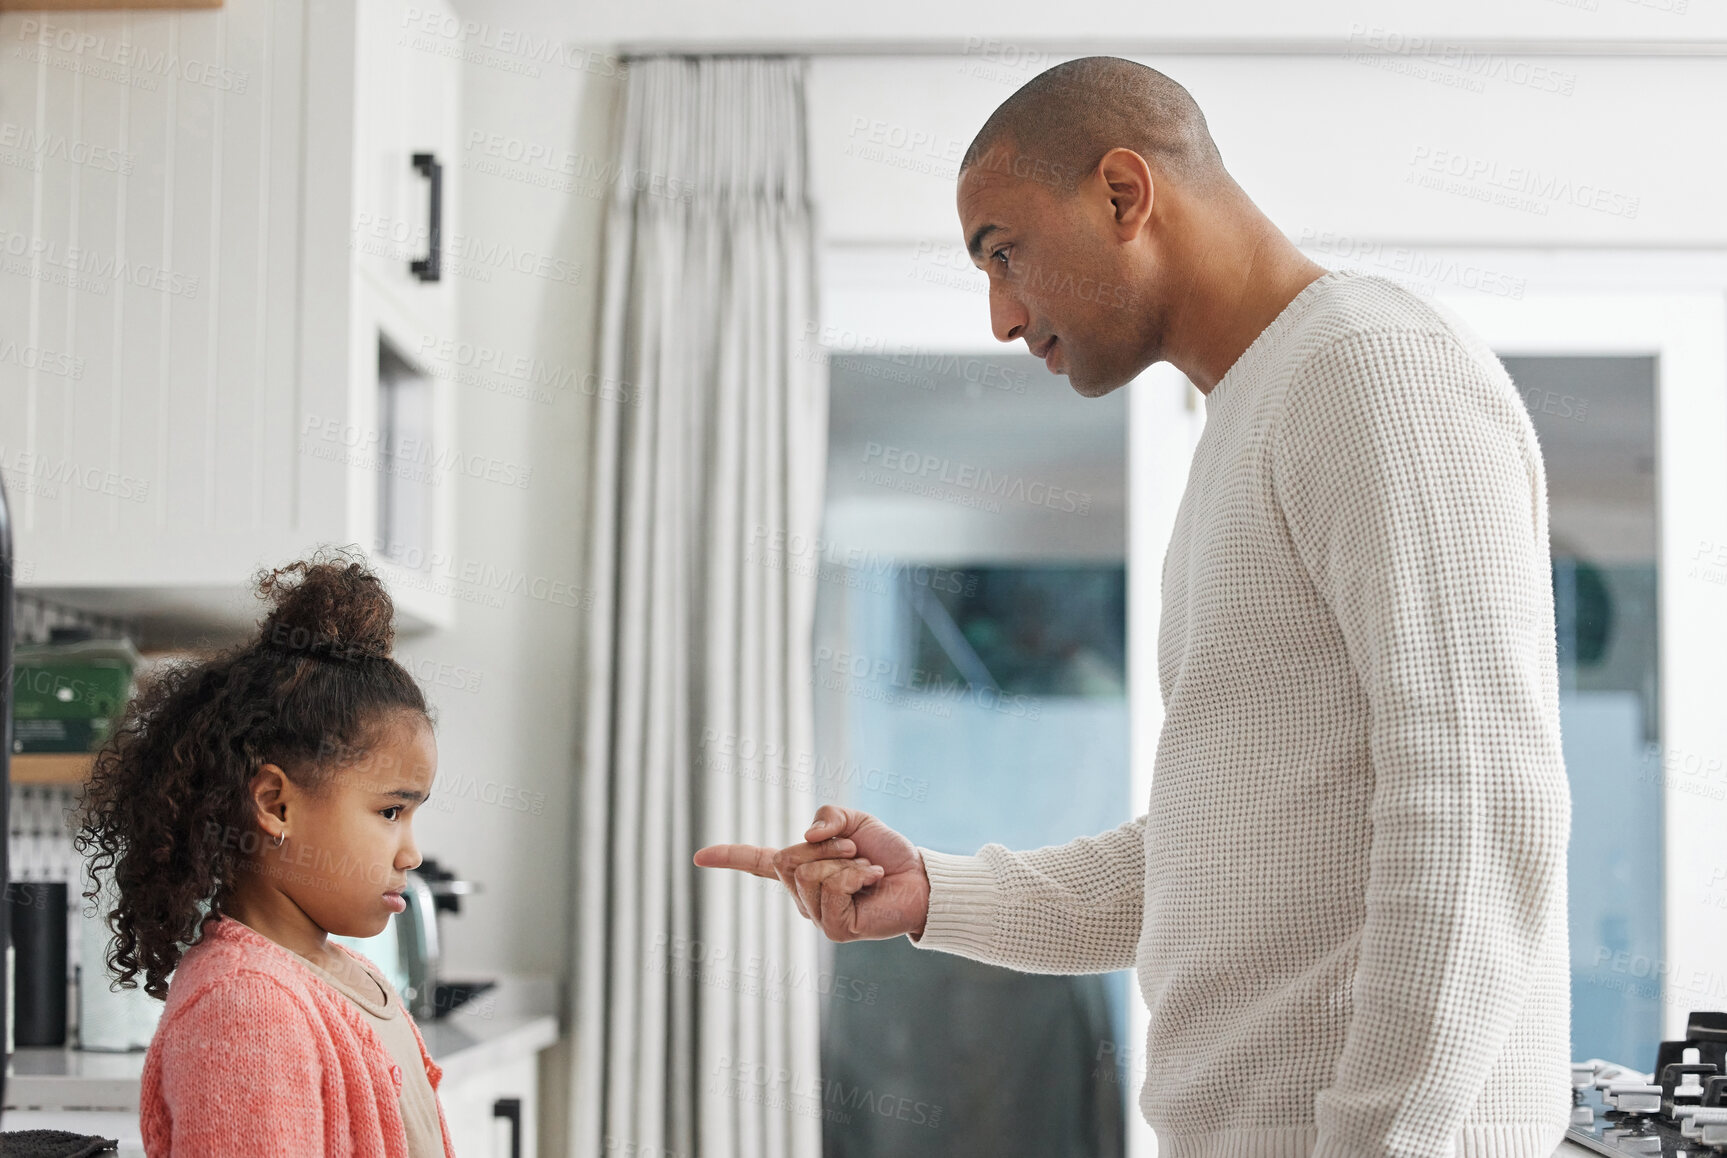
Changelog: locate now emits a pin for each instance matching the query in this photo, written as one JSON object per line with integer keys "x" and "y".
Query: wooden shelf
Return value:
{"x": 51, "y": 767}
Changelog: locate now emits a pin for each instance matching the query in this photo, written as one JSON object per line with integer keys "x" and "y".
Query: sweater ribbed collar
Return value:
{"x": 1247, "y": 365}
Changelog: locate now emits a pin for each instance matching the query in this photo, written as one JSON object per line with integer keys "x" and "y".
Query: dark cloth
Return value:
{"x": 54, "y": 1144}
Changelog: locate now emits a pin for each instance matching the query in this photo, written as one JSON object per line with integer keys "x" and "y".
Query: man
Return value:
{"x": 1346, "y": 902}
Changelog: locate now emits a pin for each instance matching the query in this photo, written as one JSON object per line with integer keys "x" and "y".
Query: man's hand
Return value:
{"x": 855, "y": 877}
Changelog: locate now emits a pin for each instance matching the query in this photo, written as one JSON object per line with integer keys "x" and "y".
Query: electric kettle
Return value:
{"x": 417, "y": 936}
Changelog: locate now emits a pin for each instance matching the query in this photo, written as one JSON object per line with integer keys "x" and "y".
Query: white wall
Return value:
{"x": 765, "y": 22}
{"x": 1329, "y": 144}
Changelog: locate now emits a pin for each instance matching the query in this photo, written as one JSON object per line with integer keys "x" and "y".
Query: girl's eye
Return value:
{"x": 386, "y": 812}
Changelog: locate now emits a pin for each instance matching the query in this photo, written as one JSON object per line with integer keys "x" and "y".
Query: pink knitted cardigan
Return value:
{"x": 256, "y": 1055}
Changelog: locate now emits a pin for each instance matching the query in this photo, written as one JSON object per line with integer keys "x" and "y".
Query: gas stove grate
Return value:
{"x": 1677, "y": 1110}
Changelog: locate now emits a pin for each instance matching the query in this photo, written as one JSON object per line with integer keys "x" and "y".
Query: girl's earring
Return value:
{"x": 280, "y": 836}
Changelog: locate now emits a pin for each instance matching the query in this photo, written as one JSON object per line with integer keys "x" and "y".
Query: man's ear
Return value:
{"x": 1127, "y": 180}
{"x": 270, "y": 791}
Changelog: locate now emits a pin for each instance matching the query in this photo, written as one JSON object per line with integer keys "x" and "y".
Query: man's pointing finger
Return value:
{"x": 745, "y": 857}
{"x": 759, "y": 861}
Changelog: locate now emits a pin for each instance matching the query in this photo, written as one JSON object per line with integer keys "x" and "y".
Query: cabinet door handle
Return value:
{"x": 427, "y": 268}
{"x": 511, "y": 1108}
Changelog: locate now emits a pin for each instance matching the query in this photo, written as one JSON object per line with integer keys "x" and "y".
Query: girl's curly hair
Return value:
{"x": 167, "y": 813}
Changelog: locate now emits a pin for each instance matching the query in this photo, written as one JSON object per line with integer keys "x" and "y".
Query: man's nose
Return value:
{"x": 1007, "y": 318}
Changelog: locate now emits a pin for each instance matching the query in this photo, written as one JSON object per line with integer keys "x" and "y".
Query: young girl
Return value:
{"x": 246, "y": 808}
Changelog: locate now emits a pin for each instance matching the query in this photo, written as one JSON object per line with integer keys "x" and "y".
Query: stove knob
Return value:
{"x": 1634, "y": 1097}
{"x": 1582, "y": 1116}
{"x": 1609, "y": 1074}
{"x": 1583, "y": 1073}
{"x": 1713, "y": 1133}
{"x": 1629, "y": 1143}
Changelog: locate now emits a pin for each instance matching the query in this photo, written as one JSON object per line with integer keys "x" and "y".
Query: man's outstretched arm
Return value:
{"x": 1068, "y": 908}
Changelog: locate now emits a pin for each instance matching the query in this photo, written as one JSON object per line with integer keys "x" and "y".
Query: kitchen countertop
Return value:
{"x": 112, "y": 1124}
{"x": 516, "y": 1017}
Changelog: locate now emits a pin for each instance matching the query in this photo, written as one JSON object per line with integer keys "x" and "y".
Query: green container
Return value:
{"x": 66, "y": 696}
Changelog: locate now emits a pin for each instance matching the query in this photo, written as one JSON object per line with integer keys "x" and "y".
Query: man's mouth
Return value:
{"x": 1045, "y": 350}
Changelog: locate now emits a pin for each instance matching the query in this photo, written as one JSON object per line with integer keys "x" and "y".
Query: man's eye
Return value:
{"x": 1001, "y": 253}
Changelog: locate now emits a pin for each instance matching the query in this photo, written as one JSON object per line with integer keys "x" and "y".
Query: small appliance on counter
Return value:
{"x": 36, "y": 911}
{"x": 110, "y": 1019}
{"x": 68, "y": 692}
{"x": 409, "y": 950}
{"x": 1678, "y": 1109}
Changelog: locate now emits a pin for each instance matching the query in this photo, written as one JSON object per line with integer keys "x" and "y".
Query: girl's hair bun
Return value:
{"x": 330, "y": 606}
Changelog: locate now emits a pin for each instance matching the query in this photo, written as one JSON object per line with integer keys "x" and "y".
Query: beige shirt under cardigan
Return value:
{"x": 389, "y": 1020}
{"x": 1346, "y": 903}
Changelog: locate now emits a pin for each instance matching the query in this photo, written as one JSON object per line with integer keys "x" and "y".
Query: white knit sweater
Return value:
{"x": 1346, "y": 903}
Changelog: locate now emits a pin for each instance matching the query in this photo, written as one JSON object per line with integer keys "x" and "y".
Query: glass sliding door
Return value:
{"x": 971, "y": 687}
{"x": 1595, "y": 419}
{"x": 1626, "y": 384}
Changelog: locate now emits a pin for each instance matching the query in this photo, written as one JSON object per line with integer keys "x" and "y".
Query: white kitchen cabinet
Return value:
{"x": 191, "y": 312}
{"x": 478, "y": 1113}
{"x": 406, "y": 102}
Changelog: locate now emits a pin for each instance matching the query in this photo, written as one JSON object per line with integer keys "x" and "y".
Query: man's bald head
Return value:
{"x": 1059, "y": 124}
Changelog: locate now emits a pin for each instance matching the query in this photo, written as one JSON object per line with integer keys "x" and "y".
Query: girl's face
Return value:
{"x": 348, "y": 845}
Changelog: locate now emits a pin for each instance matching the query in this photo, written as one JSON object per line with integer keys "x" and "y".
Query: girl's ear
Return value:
{"x": 270, "y": 790}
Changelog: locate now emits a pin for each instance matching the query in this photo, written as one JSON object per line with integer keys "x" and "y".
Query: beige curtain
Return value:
{"x": 695, "y": 1015}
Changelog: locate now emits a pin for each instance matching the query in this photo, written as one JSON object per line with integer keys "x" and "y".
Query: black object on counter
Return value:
{"x": 38, "y": 921}
{"x": 449, "y": 994}
{"x": 55, "y": 1144}
{"x": 447, "y": 891}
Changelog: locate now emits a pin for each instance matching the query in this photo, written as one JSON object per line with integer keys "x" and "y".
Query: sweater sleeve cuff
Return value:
{"x": 964, "y": 900}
